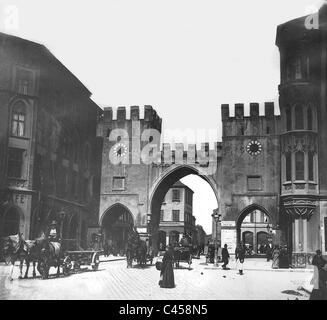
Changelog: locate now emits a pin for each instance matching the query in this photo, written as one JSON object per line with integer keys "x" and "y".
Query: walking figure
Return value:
{"x": 167, "y": 273}
{"x": 225, "y": 256}
{"x": 240, "y": 256}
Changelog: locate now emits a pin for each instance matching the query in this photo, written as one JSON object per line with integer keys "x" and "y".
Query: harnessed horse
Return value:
{"x": 15, "y": 248}
{"x": 50, "y": 256}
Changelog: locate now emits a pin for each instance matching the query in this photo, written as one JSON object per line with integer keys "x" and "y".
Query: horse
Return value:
{"x": 14, "y": 248}
{"x": 51, "y": 254}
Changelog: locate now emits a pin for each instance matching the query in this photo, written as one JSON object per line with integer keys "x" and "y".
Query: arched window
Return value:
{"x": 310, "y": 166}
{"x": 288, "y": 119}
{"x": 299, "y": 165}
{"x": 298, "y": 117}
{"x": 309, "y": 118}
{"x": 18, "y": 119}
{"x": 288, "y": 166}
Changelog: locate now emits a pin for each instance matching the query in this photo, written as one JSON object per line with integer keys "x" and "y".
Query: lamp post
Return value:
{"x": 217, "y": 217}
{"x": 149, "y": 229}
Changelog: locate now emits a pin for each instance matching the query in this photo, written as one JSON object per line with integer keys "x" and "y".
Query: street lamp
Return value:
{"x": 149, "y": 227}
{"x": 217, "y": 218}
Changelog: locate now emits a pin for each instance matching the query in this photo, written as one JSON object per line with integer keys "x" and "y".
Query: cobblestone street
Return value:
{"x": 114, "y": 281}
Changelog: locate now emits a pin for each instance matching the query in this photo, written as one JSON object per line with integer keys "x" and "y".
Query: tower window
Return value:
{"x": 288, "y": 157}
{"x": 18, "y": 121}
{"x": 310, "y": 166}
{"x": 288, "y": 119}
{"x": 298, "y": 117}
{"x": 309, "y": 118}
{"x": 298, "y": 72}
{"x": 299, "y": 165}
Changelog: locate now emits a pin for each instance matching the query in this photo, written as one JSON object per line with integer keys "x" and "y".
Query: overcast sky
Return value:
{"x": 183, "y": 57}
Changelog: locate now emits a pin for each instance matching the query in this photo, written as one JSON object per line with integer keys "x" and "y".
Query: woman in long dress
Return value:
{"x": 167, "y": 272}
{"x": 275, "y": 257}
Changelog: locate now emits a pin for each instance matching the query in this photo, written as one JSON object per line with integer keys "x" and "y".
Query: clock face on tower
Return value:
{"x": 120, "y": 150}
{"x": 254, "y": 148}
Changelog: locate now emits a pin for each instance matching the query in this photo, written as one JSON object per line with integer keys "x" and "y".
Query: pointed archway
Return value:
{"x": 116, "y": 223}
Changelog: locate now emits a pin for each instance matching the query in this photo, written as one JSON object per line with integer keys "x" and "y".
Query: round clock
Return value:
{"x": 120, "y": 150}
{"x": 254, "y": 148}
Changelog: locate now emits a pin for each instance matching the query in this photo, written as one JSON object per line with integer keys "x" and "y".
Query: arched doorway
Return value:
{"x": 116, "y": 224}
{"x": 162, "y": 185}
{"x": 10, "y": 222}
{"x": 252, "y": 228}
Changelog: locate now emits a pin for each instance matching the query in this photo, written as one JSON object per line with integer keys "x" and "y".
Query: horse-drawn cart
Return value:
{"x": 73, "y": 260}
{"x": 183, "y": 254}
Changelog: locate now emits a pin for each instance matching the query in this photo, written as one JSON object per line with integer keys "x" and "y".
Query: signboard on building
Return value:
{"x": 228, "y": 236}
{"x": 228, "y": 223}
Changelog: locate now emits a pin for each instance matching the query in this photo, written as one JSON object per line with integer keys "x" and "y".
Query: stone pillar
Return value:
{"x": 296, "y": 236}
{"x": 305, "y": 235}
{"x": 167, "y": 239}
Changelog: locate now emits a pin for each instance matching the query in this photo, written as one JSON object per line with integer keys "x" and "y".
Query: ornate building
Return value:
{"x": 49, "y": 163}
{"x": 303, "y": 136}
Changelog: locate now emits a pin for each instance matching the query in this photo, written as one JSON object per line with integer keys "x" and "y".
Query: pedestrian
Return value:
{"x": 240, "y": 256}
{"x": 275, "y": 257}
{"x": 269, "y": 251}
{"x": 106, "y": 249}
{"x": 167, "y": 272}
{"x": 225, "y": 256}
{"x": 320, "y": 277}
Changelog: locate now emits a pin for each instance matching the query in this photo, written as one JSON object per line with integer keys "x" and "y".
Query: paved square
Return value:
{"x": 114, "y": 281}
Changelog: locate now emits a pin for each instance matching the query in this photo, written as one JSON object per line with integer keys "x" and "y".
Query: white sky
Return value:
{"x": 183, "y": 57}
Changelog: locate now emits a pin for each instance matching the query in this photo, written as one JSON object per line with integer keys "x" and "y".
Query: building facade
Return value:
{"x": 268, "y": 173}
{"x": 176, "y": 215}
{"x": 49, "y": 159}
{"x": 302, "y": 95}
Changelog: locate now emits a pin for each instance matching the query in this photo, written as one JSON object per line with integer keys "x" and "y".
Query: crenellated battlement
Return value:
{"x": 269, "y": 111}
{"x": 252, "y": 125}
{"x": 123, "y": 117}
{"x": 190, "y": 154}
{"x": 131, "y": 113}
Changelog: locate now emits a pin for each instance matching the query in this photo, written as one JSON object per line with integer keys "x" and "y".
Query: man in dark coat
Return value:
{"x": 269, "y": 250}
{"x": 240, "y": 256}
{"x": 225, "y": 256}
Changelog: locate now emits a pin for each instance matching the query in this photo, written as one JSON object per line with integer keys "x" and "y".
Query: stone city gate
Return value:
{"x": 137, "y": 173}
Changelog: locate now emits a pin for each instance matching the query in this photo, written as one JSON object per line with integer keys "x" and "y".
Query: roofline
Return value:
{"x": 51, "y": 56}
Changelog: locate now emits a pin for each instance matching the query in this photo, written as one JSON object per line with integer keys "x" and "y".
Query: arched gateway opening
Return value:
{"x": 157, "y": 195}
{"x": 116, "y": 224}
{"x": 253, "y": 229}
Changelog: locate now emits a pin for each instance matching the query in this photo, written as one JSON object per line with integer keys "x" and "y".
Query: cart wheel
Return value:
{"x": 96, "y": 262}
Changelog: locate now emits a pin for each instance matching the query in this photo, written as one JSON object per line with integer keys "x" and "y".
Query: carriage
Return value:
{"x": 183, "y": 254}
{"x": 74, "y": 259}
{"x": 69, "y": 258}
